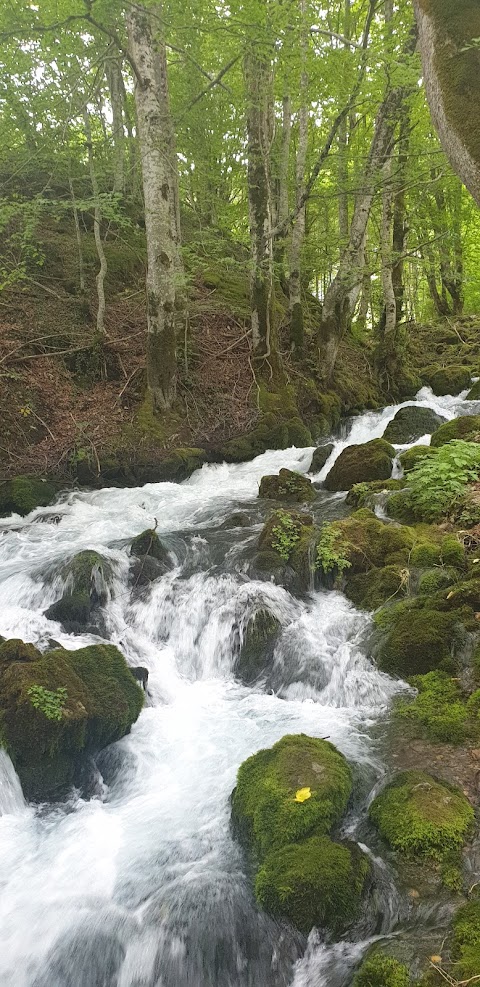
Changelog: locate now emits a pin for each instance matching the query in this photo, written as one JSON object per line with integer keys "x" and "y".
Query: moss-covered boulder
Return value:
{"x": 24, "y": 493}
{"x": 296, "y": 789}
{"x": 419, "y": 816}
{"x": 360, "y": 464}
{"x": 466, "y": 943}
{"x": 362, "y": 542}
{"x": 439, "y": 712}
{"x": 474, "y": 392}
{"x": 60, "y": 705}
{"x": 447, "y": 380}
{"x": 366, "y": 494}
{"x": 273, "y": 431}
{"x": 411, "y": 457}
{"x": 151, "y": 558}
{"x": 314, "y": 883}
{"x": 289, "y": 486}
{"x": 370, "y": 590}
{"x": 257, "y": 646}
{"x": 86, "y": 587}
{"x": 414, "y": 640}
{"x": 467, "y": 428}
{"x": 286, "y": 550}
{"x": 320, "y": 457}
{"x": 411, "y": 423}
{"x": 378, "y": 970}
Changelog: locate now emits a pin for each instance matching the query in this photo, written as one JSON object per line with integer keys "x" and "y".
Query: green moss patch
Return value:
{"x": 366, "y": 542}
{"x": 372, "y": 589}
{"x": 23, "y": 494}
{"x": 378, "y": 970}
{"x": 447, "y": 380}
{"x": 314, "y": 883}
{"x": 86, "y": 576}
{"x": 294, "y": 488}
{"x": 415, "y": 640}
{"x": 411, "y": 457}
{"x": 419, "y": 816}
{"x": 439, "y": 712}
{"x": 361, "y": 464}
{"x": 466, "y": 942}
{"x": 466, "y": 428}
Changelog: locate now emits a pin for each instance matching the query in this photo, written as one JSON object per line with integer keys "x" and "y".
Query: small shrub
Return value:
{"x": 286, "y": 535}
{"x": 331, "y": 550}
{"x": 50, "y": 703}
{"x": 435, "y": 483}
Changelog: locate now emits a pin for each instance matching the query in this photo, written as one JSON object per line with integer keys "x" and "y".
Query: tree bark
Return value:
{"x": 160, "y": 190}
{"x": 343, "y": 217}
{"x": 448, "y": 35}
{"x": 97, "y": 228}
{"x": 298, "y": 230}
{"x": 113, "y": 71}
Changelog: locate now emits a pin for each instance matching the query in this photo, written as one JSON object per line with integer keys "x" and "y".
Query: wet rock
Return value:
{"x": 467, "y": 428}
{"x": 288, "y": 486}
{"x": 411, "y": 457}
{"x": 24, "y": 493}
{"x": 237, "y": 520}
{"x": 361, "y": 464}
{"x": 286, "y": 550}
{"x": 58, "y": 706}
{"x": 446, "y": 380}
{"x": 474, "y": 392}
{"x": 151, "y": 559}
{"x": 320, "y": 457}
{"x": 411, "y": 423}
{"x": 258, "y": 645}
{"x": 413, "y": 641}
{"x": 87, "y": 577}
{"x": 140, "y": 674}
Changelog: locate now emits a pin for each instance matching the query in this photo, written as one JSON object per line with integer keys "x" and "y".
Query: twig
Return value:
{"x": 34, "y": 413}
{"x": 237, "y": 341}
{"x": 124, "y": 388}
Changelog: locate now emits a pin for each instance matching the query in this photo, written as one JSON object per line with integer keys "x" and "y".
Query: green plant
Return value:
{"x": 438, "y": 710}
{"x": 51, "y": 703}
{"x": 286, "y": 535}
{"x": 331, "y": 550}
{"x": 435, "y": 483}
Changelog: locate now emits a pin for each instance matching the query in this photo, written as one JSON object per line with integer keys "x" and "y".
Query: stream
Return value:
{"x": 142, "y": 885}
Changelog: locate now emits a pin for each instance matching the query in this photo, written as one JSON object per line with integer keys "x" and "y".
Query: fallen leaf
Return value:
{"x": 303, "y": 794}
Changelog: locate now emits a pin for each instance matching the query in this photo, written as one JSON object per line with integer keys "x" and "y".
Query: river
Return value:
{"x": 142, "y": 885}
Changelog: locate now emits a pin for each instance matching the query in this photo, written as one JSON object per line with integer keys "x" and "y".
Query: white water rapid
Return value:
{"x": 142, "y": 885}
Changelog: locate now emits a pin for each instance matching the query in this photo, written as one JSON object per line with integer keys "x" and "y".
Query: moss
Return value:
{"x": 362, "y": 494}
{"x": 439, "y": 712}
{"x": 285, "y": 549}
{"x": 378, "y": 970}
{"x": 369, "y": 543}
{"x": 298, "y": 434}
{"x": 148, "y": 543}
{"x": 258, "y": 645}
{"x": 23, "y": 494}
{"x": 448, "y": 551}
{"x": 415, "y": 641}
{"x": 320, "y": 457}
{"x": 435, "y": 579}
{"x": 372, "y": 589}
{"x": 16, "y": 650}
{"x": 411, "y": 457}
{"x": 314, "y": 883}
{"x": 399, "y": 507}
{"x": 287, "y": 486}
{"x": 466, "y": 942}
{"x": 86, "y": 579}
{"x": 447, "y": 380}
{"x": 265, "y": 812}
{"x": 360, "y": 464}
{"x": 466, "y": 428}
{"x": 419, "y": 816}
{"x": 410, "y": 424}
{"x": 102, "y": 702}
{"x": 474, "y": 392}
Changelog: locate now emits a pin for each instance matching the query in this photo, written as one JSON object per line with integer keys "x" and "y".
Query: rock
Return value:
{"x": 362, "y": 542}
{"x": 87, "y": 577}
{"x": 273, "y": 431}
{"x": 372, "y": 589}
{"x": 411, "y": 457}
{"x": 411, "y": 423}
{"x": 58, "y": 706}
{"x": 140, "y": 674}
{"x": 447, "y": 380}
{"x": 287, "y": 800}
{"x": 421, "y": 817}
{"x": 288, "y": 486}
{"x": 378, "y": 970}
{"x": 466, "y": 428}
{"x": 360, "y": 464}
{"x": 285, "y": 550}
{"x": 414, "y": 641}
{"x": 237, "y": 520}
{"x": 258, "y": 645}
{"x": 24, "y": 493}
{"x": 151, "y": 559}
{"x": 474, "y": 392}
{"x": 314, "y": 883}
{"x": 148, "y": 543}
{"x": 466, "y": 944}
{"x": 320, "y": 456}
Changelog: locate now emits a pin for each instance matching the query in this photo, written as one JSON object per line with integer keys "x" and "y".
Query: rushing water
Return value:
{"x": 143, "y": 885}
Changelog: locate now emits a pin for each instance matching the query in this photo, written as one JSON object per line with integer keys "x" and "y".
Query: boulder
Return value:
{"x": 291, "y": 487}
{"x": 86, "y": 578}
{"x": 151, "y": 558}
{"x": 59, "y": 706}
{"x": 411, "y": 457}
{"x": 361, "y": 464}
{"x": 285, "y": 550}
{"x": 474, "y": 392}
{"x": 24, "y": 493}
{"x": 415, "y": 640}
{"x": 447, "y": 380}
{"x": 467, "y": 428}
{"x": 378, "y": 970}
{"x": 419, "y": 816}
{"x": 320, "y": 456}
{"x": 258, "y": 645}
{"x": 411, "y": 423}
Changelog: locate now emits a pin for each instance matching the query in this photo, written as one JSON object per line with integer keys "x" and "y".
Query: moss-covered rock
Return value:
{"x": 474, "y": 392}
{"x": 360, "y": 464}
{"x": 378, "y": 970}
{"x": 439, "y": 711}
{"x": 411, "y": 423}
{"x": 415, "y": 640}
{"x": 151, "y": 558}
{"x": 285, "y": 550}
{"x": 364, "y": 494}
{"x": 447, "y": 380}
{"x": 273, "y": 431}
{"x": 466, "y": 942}
{"x": 419, "y": 816}
{"x": 370, "y": 590}
{"x": 258, "y": 645}
{"x": 24, "y": 493}
{"x": 364, "y": 542}
{"x": 320, "y": 457}
{"x": 289, "y": 486}
{"x": 467, "y": 428}
{"x": 57, "y": 706}
{"x": 411, "y": 457}
{"x": 435, "y": 579}
{"x": 447, "y": 551}
{"x": 314, "y": 883}
{"x": 86, "y": 580}
{"x": 268, "y": 811}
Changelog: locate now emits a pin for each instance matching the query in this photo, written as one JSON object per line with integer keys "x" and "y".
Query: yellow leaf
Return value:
{"x": 436, "y": 959}
{"x": 303, "y": 794}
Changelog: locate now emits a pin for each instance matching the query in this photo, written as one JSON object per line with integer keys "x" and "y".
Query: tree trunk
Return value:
{"x": 97, "y": 224}
{"x": 343, "y": 218}
{"x": 298, "y": 231}
{"x": 113, "y": 71}
{"x": 448, "y": 35}
{"x": 160, "y": 190}
{"x": 258, "y": 86}
{"x": 78, "y": 234}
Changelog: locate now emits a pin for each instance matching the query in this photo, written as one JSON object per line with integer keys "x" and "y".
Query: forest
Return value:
{"x": 240, "y": 493}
